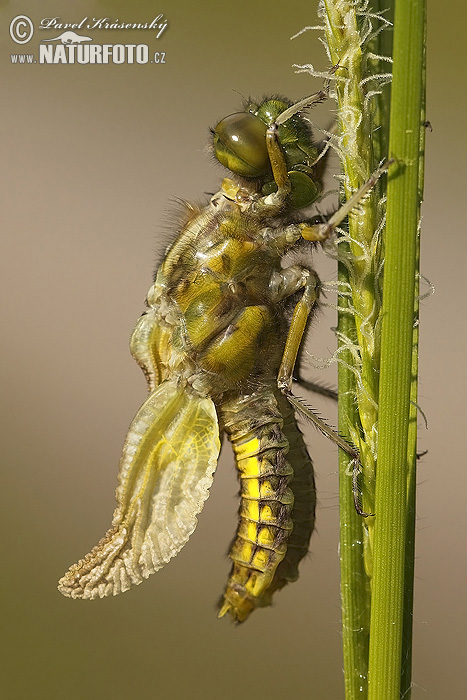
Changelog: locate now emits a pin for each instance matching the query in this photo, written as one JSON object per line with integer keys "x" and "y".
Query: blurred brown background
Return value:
{"x": 93, "y": 156}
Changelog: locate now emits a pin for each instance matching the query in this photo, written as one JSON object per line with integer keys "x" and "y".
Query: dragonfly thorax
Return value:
{"x": 224, "y": 295}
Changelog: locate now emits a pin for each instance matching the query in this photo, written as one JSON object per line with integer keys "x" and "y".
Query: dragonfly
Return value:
{"x": 218, "y": 344}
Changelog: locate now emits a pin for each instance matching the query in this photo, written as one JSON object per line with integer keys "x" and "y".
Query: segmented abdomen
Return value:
{"x": 303, "y": 513}
{"x": 265, "y": 552}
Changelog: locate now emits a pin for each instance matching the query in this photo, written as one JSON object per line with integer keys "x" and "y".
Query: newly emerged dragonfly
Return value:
{"x": 218, "y": 347}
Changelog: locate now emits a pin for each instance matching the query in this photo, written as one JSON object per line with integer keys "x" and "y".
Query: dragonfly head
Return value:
{"x": 240, "y": 145}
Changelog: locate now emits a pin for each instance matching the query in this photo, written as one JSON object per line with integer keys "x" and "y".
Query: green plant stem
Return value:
{"x": 407, "y": 622}
{"x": 389, "y": 545}
{"x": 407, "y": 630}
{"x": 355, "y": 592}
{"x": 358, "y": 345}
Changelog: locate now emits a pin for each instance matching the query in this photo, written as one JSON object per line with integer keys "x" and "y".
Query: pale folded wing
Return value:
{"x": 166, "y": 470}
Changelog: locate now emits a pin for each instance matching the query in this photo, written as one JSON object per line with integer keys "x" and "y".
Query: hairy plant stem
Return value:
{"x": 360, "y": 266}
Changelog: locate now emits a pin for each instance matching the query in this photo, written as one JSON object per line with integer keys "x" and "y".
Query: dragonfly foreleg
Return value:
{"x": 275, "y": 152}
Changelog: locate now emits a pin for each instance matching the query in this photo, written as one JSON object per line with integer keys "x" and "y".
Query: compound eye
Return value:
{"x": 240, "y": 145}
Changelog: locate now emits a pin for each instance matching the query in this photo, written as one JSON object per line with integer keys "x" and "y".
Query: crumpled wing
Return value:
{"x": 166, "y": 470}
{"x": 150, "y": 345}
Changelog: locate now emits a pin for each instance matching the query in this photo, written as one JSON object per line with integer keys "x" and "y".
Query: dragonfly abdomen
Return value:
{"x": 254, "y": 426}
{"x": 303, "y": 513}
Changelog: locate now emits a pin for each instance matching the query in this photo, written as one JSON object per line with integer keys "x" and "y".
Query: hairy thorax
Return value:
{"x": 219, "y": 277}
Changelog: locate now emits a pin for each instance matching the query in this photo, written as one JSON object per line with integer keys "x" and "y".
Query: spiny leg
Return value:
{"x": 292, "y": 346}
{"x": 319, "y": 231}
{"x": 307, "y": 280}
{"x": 315, "y": 387}
{"x": 322, "y": 231}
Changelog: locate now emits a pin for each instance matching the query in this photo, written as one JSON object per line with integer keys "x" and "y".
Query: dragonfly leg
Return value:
{"x": 310, "y": 283}
{"x": 322, "y": 231}
{"x": 318, "y": 231}
{"x": 308, "y": 280}
{"x": 275, "y": 152}
{"x": 315, "y": 387}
